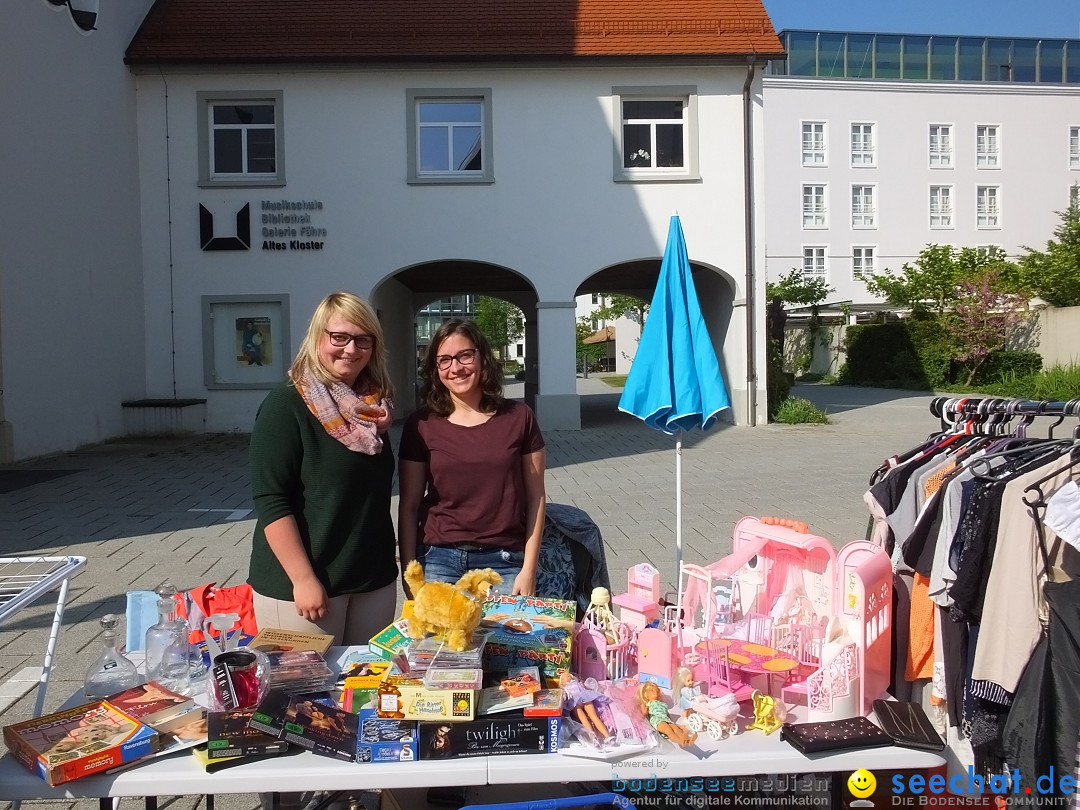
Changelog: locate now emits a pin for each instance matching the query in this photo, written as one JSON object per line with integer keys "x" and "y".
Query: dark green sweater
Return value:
{"x": 340, "y": 499}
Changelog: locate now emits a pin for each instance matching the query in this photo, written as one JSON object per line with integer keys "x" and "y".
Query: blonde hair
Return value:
{"x": 356, "y": 310}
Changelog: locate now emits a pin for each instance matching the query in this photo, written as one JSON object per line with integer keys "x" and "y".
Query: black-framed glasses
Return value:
{"x": 343, "y": 339}
{"x": 465, "y": 357}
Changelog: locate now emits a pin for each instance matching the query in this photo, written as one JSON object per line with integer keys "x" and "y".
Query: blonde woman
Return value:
{"x": 322, "y": 557}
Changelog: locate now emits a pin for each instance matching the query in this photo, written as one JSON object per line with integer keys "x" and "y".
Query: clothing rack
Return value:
{"x": 943, "y": 407}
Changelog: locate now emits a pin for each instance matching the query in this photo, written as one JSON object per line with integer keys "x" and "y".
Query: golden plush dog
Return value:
{"x": 453, "y": 610}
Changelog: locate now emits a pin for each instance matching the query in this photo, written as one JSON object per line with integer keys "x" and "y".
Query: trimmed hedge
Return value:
{"x": 920, "y": 354}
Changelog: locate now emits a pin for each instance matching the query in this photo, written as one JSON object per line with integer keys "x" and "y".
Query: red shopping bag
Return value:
{"x": 195, "y": 605}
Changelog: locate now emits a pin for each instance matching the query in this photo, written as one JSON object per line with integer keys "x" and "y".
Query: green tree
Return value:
{"x": 620, "y": 306}
{"x": 1054, "y": 274}
{"x": 590, "y": 352}
{"x": 935, "y": 281}
{"x": 792, "y": 288}
{"x": 501, "y": 322}
{"x": 983, "y": 318}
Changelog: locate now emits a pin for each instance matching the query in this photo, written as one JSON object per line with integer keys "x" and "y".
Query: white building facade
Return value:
{"x": 879, "y": 145}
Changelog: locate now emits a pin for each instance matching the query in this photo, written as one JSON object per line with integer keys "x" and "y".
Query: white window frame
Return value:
{"x": 815, "y": 216}
{"x": 988, "y": 146}
{"x": 414, "y": 97}
{"x": 1074, "y": 147}
{"x": 818, "y": 256}
{"x": 945, "y": 214}
{"x": 863, "y": 214}
{"x": 988, "y": 207}
{"x": 859, "y": 255}
{"x": 940, "y": 146}
{"x": 205, "y": 102}
{"x": 814, "y": 143}
{"x": 688, "y": 95}
{"x": 867, "y": 154}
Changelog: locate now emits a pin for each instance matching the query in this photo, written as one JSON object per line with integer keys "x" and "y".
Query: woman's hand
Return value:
{"x": 525, "y": 583}
{"x": 310, "y": 599}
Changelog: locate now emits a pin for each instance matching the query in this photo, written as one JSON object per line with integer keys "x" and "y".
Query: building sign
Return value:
{"x": 292, "y": 225}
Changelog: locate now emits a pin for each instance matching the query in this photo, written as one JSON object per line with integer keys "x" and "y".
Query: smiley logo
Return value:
{"x": 862, "y": 783}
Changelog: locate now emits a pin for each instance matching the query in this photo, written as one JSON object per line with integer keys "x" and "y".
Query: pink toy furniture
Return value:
{"x": 598, "y": 656}
{"x": 640, "y": 605}
{"x": 656, "y": 656}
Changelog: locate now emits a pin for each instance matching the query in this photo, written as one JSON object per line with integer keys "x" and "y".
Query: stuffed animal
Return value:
{"x": 453, "y": 610}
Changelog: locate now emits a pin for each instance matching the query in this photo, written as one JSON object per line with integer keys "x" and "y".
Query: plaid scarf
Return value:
{"x": 339, "y": 409}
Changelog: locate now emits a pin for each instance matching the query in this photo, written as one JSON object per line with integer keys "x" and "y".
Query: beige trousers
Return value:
{"x": 352, "y": 618}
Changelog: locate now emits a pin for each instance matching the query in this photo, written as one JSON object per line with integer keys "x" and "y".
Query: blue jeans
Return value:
{"x": 449, "y": 563}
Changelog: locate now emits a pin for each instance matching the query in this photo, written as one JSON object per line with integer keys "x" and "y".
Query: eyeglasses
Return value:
{"x": 465, "y": 357}
{"x": 343, "y": 339}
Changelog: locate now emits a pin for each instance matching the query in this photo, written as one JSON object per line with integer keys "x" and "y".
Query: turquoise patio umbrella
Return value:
{"x": 675, "y": 384}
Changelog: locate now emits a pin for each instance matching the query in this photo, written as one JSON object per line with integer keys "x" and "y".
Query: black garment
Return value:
{"x": 978, "y": 528}
{"x": 954, "y": 640}
{"x": 1044, "y": 725}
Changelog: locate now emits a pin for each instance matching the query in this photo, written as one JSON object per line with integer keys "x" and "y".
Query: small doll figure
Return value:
{"x": 581, "y": 701}
{"x": 653, "y": 707}
{"x": 687, "y": 688}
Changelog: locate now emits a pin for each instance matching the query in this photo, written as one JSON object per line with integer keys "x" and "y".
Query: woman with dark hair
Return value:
{"x": 471, "y": 469}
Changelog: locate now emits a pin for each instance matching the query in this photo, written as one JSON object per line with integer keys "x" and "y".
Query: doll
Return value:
{"x": 686, "y": 687}
{"x": 581, "y": 701}
{"x": 653, "y": 707}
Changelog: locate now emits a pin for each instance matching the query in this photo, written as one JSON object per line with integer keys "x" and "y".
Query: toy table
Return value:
{"x": 754, "y": 659}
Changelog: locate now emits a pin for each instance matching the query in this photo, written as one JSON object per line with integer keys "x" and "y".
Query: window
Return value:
{"x": 656, "y": 138}
{"x": 1074, "y": 193}
{"x": 941, "y": 145}
{"x": 813, "y": 143}
{"x": 241, "y": 139}
{"x": 862, "y": 145}
{"x": 987, "y": 210}
{"x": 863, "y": 207}
{"x": 941, "y": 207}
{"x": 449, "y": 136}
{"x": 521, "y": 350}
{"x": 596, "y": 298}
{"x": 986, "y": 252}
{"x": 863, "y": 261}
{"x": 1074, "y": 147}
{"x": 986, "y": 147}
{"x": 813, "y": 262}
{"x": 814, "y": 214}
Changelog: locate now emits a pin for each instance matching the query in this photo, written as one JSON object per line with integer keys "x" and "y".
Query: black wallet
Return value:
{"x": 834, "y": 735}
{"x": 907, "y": 724}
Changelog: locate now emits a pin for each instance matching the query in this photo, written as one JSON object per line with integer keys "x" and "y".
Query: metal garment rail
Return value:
{"x": 956, "y": 406}
{"x": 23, "y": 580}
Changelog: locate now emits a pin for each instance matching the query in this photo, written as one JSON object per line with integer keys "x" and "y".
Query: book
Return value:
{"x": 495, "y": 699}
{"x": 271, "y": 639}
{"x": 229, "y": 735}
{"x": 77, "y": 742}
{"x": 151, "y": 703}
{"x": 184, "y": 731}
{"x": 324, "y": 730}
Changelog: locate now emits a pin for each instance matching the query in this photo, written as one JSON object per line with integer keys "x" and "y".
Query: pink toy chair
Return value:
{"x": 759, "y": 628}
{"x": 722, "y": 681}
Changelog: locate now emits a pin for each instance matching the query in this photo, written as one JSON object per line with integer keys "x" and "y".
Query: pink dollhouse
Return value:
{"x": 640, "y": 605}
{"x": 775, "y": 594}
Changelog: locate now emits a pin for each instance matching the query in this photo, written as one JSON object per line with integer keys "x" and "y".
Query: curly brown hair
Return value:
{"x": 432, "y": 391}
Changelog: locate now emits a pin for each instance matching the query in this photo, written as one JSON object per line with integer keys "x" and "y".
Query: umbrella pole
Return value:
{"x": 678, "y": 541}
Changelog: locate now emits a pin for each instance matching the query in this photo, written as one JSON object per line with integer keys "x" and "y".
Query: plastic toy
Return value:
{"x": 602, "y": 645}
{"x": 769, "y": 713}
{"x": 454, "y": 610}
{"x": 640, "y": 605}
{"x": 581, "y": 701}
{"x": 715, "y": 715}
{"x": 650, "y": 699}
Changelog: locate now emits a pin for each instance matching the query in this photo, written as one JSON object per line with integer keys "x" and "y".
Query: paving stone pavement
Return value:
{"x": 146, "y": 510}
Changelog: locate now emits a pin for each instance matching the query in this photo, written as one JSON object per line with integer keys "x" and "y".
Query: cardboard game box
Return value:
{"x": 383, "y": 740}
{"x": 499, "y": 734}
{"x": 529, "y": 631}
{"x": 402, "y": 698}
{"x": 80, "y": 741}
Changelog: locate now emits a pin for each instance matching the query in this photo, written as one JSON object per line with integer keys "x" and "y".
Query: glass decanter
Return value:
{"x": 112, "y": 672}
{"x": 167, "y": 648}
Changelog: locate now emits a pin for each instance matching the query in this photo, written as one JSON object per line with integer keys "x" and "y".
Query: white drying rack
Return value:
{"x": 23, "y": 580}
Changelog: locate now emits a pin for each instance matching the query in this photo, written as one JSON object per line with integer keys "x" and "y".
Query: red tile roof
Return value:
{"x": 304, "y": 31}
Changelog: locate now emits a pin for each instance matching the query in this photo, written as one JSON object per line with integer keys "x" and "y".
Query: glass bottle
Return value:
{"x": 167, "y": 647}
{"x": 112, "y": 672}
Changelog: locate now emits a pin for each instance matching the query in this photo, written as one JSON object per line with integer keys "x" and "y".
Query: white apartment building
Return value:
{"x": 878, "y": 145}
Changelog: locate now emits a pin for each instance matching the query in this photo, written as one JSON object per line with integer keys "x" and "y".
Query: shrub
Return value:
{"x": 918, "y": 352}
{"x": 1004, "y": 364}
{"x": 799, "y": 411}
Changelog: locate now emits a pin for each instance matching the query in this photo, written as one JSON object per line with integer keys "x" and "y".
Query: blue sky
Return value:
{"x": 1004, "y": 18}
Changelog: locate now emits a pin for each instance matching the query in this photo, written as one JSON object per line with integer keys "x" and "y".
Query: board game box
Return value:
{"x": 383, "y": 740}
{"x": 80, "y": 741}
{"x": 500, "y": 734}
{"x": 230, "y": 735}
{"x": 529, "y": 631}
{"x": 151, "y": 703}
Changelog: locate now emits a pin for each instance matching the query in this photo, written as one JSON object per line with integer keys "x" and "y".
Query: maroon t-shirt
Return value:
{"x": 475, "y": 489}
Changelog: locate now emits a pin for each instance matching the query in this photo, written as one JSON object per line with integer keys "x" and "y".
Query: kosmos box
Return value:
{"x": 505, "y": 734}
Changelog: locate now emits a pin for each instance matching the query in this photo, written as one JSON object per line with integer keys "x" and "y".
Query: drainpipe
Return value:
{"x": 748, "y": 207}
